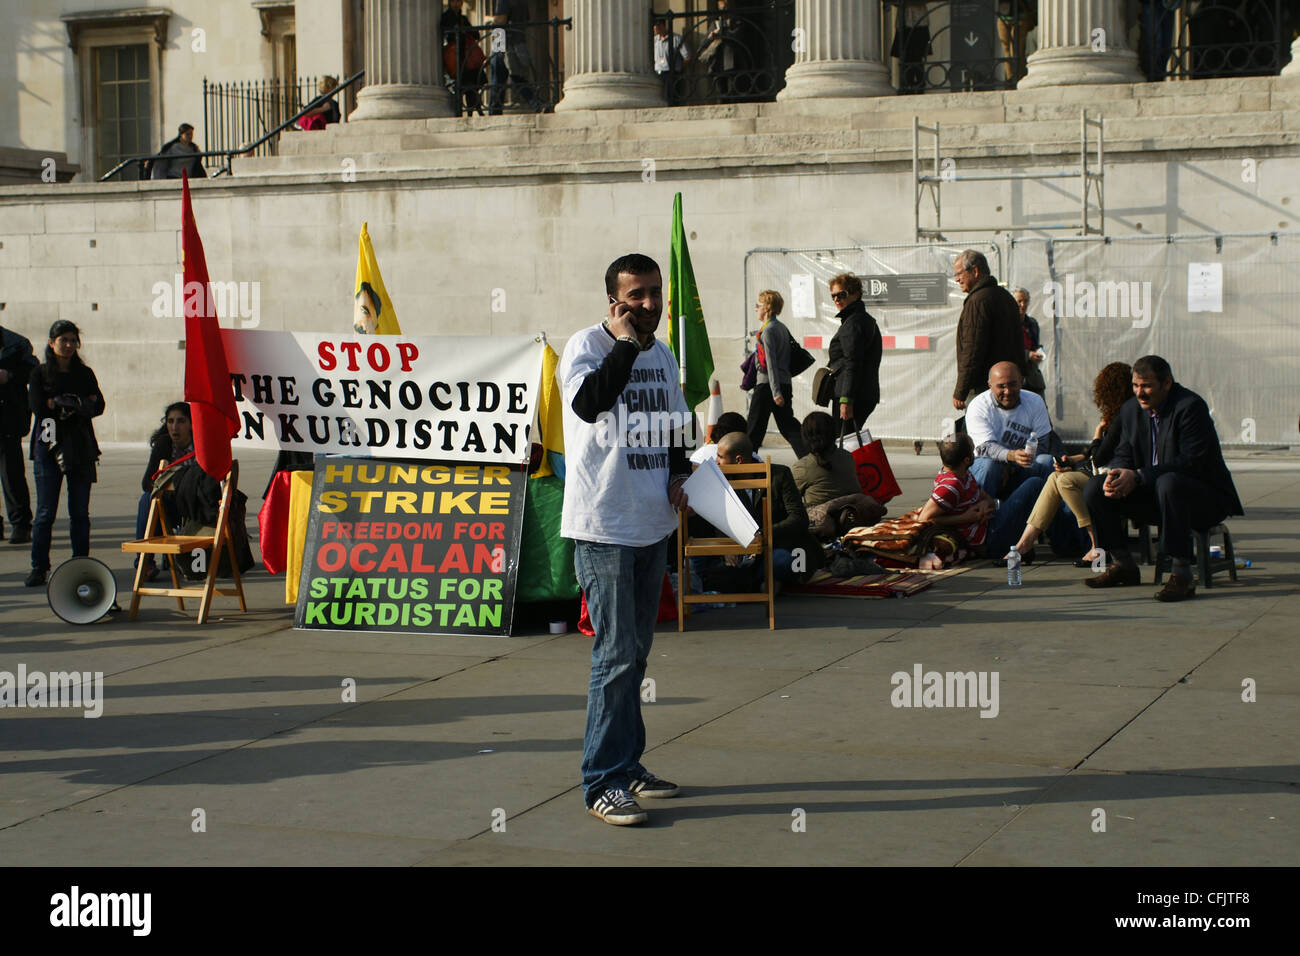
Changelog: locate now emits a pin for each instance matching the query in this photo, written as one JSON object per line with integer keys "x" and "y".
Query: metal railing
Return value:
{"x": 247, "y": 150}
{"x": 1215, "y": 38}
{"x": 958, "y": 45}
{"x": 235, "y": 113}
{"x": 489, "y": 68}
{"x": 735, "y": 56}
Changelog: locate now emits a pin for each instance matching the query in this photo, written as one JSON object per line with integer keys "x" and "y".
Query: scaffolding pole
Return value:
{"x": 1091, "y": 174}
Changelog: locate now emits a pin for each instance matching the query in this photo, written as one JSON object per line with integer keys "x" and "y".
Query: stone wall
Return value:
{"x": 537, "y": 206}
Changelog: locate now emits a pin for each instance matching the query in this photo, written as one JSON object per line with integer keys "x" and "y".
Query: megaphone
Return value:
{"x": 81, "y": 590}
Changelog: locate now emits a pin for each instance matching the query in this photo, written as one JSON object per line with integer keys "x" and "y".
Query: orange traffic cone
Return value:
{"x": 715, "y": 408}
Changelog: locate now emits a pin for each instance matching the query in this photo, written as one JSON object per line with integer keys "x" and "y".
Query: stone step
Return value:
{"x": 1200, "y": 98}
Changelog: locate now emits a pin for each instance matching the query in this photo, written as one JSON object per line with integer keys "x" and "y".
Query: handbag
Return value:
{"x": 823, "y": 387}
{"x": 874, "y": 472}
{"x": 749, "y": 372}
{"x": 800, "y": 359}
{"x": 474, "y": 58}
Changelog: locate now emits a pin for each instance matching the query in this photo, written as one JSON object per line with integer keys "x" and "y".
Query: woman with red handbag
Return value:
{"x": 854, "y": 353}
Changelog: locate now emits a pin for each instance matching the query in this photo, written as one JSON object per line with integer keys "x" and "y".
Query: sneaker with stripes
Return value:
{"x": 615, "y": 805}
{"x": 645, "y": 784}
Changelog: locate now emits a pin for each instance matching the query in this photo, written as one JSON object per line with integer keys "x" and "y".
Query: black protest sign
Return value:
{"x": 411, "y": 547}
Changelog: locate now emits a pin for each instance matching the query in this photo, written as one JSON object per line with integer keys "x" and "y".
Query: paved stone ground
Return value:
{"x": 1106, "y": 701}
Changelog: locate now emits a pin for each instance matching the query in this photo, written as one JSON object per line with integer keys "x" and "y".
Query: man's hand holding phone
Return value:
{"x": 620, "y": 319}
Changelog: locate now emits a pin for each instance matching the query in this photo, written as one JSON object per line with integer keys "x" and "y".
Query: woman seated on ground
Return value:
{"x": 827, "y": 478}
{"x": 173, "y": 439}
{"x": 1112, "y": 388}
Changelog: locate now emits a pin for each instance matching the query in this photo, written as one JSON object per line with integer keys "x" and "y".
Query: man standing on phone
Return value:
{"x": 624, "y": 439}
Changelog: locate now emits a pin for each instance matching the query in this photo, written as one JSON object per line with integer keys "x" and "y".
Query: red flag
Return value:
{"x": 207, "y": 375}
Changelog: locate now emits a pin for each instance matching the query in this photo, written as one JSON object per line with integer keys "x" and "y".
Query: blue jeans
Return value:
{"x": 989, "y": 474}
{"x": 516, "y": 65}
{"x": 49, "y": 483}
{"x": 622, "y": 585}
{"x": 1008, "y": 523}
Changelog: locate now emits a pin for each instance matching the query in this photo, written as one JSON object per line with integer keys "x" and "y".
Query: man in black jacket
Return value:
{"x": 1167, "y": 470}
{"x": 16, "y": 363}
{"x": 854, "y": 354}
{"x": 988, "y": 331}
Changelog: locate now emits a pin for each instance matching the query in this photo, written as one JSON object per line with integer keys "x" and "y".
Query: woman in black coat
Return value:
{"x": 64, "y": 396}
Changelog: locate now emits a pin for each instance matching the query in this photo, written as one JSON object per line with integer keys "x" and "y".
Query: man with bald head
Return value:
{"x": 1000, "y": 422}
{"x": 791, "y": 539}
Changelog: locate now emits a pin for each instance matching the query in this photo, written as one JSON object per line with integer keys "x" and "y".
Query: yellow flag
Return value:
{"x": 550, "y": 414}
{"x": 372, "y": 310}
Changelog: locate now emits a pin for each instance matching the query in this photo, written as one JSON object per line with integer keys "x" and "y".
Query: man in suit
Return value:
{"x": 795, "y": 552}
{"x": 1167, "y": 470}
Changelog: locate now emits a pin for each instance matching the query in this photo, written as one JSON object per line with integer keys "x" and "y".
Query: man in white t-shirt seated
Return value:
{"x": 1000, "y": 422}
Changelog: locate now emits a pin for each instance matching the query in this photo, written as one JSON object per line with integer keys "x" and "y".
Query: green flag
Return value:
{"x": 687, "y": 336}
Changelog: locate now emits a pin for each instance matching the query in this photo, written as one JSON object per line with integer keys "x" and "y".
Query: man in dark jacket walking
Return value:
{"x": 1167, "y": 470}
{"x": 988, "y": 331}
{"x": 16, "y": 363}
{"x": 854, "y": 354}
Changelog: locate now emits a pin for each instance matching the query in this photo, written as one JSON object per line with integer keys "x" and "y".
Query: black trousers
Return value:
{"x": 761, "y": 408}
{"x": 1177, "y": 504}
{"x": 13, "y": 477}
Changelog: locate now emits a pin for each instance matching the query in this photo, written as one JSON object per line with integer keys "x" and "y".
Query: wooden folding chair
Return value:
{"x": 156, "y": 540}
{"x": 741, "y": 477}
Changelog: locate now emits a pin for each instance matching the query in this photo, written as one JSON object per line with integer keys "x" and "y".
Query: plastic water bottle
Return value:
{"x": 1013, "y": 567}
{"x": 1031, "y": 446}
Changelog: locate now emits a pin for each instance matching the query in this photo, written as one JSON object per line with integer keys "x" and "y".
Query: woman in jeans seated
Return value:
{"x": 1112, "y": 388}
{"x": 173, "y": 439}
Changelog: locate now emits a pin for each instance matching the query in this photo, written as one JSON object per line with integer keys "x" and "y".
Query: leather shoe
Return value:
{"x": 1179, "y": 587}
{"x": 21, "y": 535}
{"x": 1115, "y": 576}
{"x": 35, "y": 580}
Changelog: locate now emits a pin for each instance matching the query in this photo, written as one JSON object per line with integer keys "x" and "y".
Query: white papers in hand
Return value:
{"x": 704, "y": 453}
{"x": 712, "y": 498}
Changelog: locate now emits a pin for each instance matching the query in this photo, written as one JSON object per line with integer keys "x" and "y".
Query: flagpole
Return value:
{"x": 681, "y": 348}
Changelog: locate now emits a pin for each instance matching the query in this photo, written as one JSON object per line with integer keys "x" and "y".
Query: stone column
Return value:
{"x": 403, "y": 62}
{"x": 609, "y": 58}
{"x": 837, "y": 51}
{"x": 1081, "y": 41}
{"x": 1292, "y": 70}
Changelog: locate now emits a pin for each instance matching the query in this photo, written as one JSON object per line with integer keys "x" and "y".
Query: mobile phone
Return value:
{"x": 1063, "y": 462}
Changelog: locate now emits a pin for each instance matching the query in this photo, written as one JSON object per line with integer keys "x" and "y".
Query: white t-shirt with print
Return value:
{"x": 616, "y": 470}
{"x": 988, "y": 423}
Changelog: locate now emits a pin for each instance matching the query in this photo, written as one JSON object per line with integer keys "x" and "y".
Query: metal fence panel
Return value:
{"x": 1100, "y": 300}
{"x": 918, "y": 370}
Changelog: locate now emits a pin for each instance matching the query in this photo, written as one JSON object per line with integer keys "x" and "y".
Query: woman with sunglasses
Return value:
{"x": 64, "y": 396}
{"x": 854, "y": 355}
